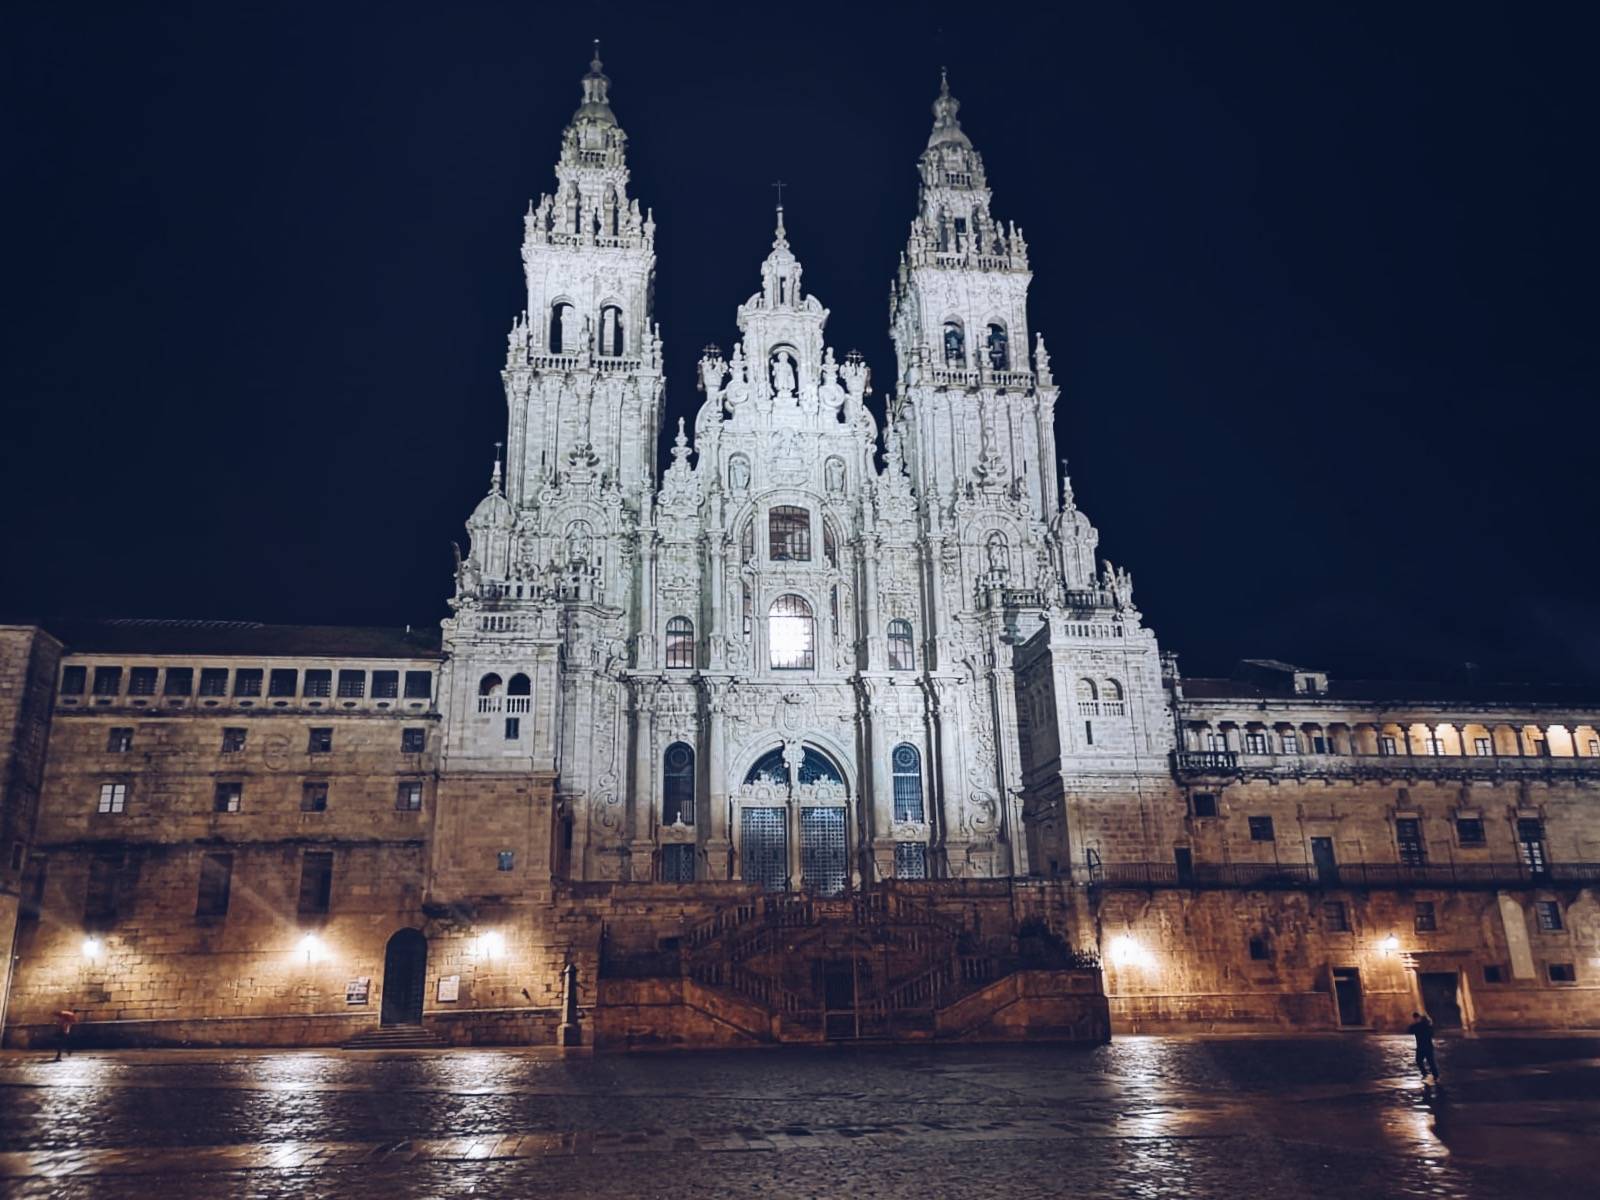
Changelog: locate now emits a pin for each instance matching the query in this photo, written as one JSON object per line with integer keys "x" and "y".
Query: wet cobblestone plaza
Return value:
{"x": 1317, "y": 1116}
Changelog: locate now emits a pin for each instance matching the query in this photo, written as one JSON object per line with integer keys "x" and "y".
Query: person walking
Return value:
{"x": 1422, "y": 1029}
{"x": 65, "y": 1020}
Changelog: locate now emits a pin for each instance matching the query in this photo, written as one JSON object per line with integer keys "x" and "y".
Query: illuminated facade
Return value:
{"x": 881, "y": 669}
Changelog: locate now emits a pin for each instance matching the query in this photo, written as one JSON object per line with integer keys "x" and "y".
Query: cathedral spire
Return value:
{"x": 946, "y": 126}
{"x": 596, "y": 106}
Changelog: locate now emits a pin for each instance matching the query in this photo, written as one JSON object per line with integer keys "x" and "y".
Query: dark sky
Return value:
{"x": 1318, "y": 283}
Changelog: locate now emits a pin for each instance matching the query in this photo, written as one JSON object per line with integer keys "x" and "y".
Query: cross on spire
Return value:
{"x": 779, "y": 185}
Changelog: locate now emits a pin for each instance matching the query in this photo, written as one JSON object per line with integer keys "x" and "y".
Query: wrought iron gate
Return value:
{"x": 822, "y": 850}
{"x": 764, "y": 847}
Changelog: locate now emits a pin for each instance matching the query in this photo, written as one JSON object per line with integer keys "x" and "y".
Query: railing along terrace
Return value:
{"x": 1302, "y": 876}
{"x": 1378, "y": 766}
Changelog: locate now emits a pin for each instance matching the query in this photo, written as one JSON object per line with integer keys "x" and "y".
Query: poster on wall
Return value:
{"x": 357, "y": 990}
{"x": 449, "y": 988}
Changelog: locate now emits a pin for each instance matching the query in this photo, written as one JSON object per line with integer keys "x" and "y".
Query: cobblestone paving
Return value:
{"x": 1143, "y": 1117}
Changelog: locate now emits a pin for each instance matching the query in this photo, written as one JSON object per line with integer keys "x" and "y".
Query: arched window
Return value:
{"x": 1112, "y": 690}
{"x": 999, "y": 348}
{"x": 907, "y": 783}
{"x": 677, "y": 784}
{"x": 830, "y": 545}
{"x": 1087, "y": 691}
{"x": 747, "y": 541}
{"x": 815, "y": 767}
{"x": 489, "y": 685}
{"x": 563, "y": 329}
{"x": 611, "y": 331}
{"x": 791, "y": 634}
{"x": 955, "y": 344}
{"x": 1111, "y": 699}
{"x": 902, "y": 654}
{"x": 518, "y": 685}
{"x": 680, "y": 643}
{"x": 789, "y": 534}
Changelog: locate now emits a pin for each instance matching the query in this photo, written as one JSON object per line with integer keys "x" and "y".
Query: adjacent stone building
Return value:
{"x": 828, "y": 730}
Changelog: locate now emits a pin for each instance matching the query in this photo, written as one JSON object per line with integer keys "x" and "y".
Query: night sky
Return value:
{"x": 1317, "y": 281}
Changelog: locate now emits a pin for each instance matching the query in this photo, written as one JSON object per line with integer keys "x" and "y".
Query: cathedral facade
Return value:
{"x": 830, "y": 729}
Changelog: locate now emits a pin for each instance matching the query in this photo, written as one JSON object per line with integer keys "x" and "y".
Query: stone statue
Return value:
{"x": 829, "y": 393}
{"x": 738, "y": 389}
{"x": 835, "y": 473}
{"x": 712, "y": 369}
{"x": 997, "y": 554}
{"x": 739, "y": 473}
{"x": 783, "y": 380}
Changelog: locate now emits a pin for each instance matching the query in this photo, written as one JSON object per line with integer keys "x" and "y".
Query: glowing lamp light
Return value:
{"x": 491, "y": 945}
{"x": 311, "y": 949}
{"x": 1389, "y": 944}
{"x": 1125, "y": 952}
{"x": 92, "y": 948}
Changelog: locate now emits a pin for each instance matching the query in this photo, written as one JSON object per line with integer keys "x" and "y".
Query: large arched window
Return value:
{"x": 815, "y": 767}
{"x": 563, "y": 329}
{"x": 680, "y": 643}
{"x": 955, "y": 344}
{"x": 999, "y": 348}
{"x": 1087, "y": 692}
{"x": 907, "y": 783}
{"x": 677, "y": 784}
{"x": 489, "y": 685}
{"x": 611, "y": 331}
{"x": 789, "y": 534}
{"x": 518, "y": 685}
{"x": 902, "y": 653}
{"x": 791, "y": 634}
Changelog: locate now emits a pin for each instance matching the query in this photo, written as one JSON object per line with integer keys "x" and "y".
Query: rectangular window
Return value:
{"x": 107, "y": 681}
{"x": 677, "y": 863}
{"x": 789, "y": 534}
{"x": 385, "y": 685}
{"x": 910, "y": 860}
{"x": 1258, "y": 949}
{"x": 1469, "y": 831}
{"x": 319, "y": 684}
{"x": 281, "y": 683}
{"x": 100, "y": 896}
{"x": 216, "y": 880}
{"x": 1291, "y": 743}
{"x": 1548, "y": 913}
{"x": 413, "y": 741}
{"x": 142, "y": 681}
{"x": 113, "y": 798}
{"x": 1432, "y": 745}
{"x": 316, "y": 882}
{"x": 1261, "y": 829}
{"x": 213, "y": 681}
{"x": 1319, "y": 744}
{"x": 314, "y": 796}
{"x": 1530, "y": 844}
{"x": 1387, "y": 744}
{"x": 1424, "y": 921}
{"x": 119, "y": 740}
{"x": 1204, "y": 804}
{"x": 1088, "y": 733}
{"x": 513, "y": 728}
{"x": 352, "y": 685}
{"x": 74, "y": 680}
{"x": 1492, "y": 973}
{"x": 1255, "y": 743}
{"x": 1217, "y": 741}
{"x": 232, "y": 740}
{"x": 408, "y": 797}
{"x": 247, "y": 681}
{"x": 1563, "y": 973}
{"x": 419, "y": 685}
{"x": 180, "y": 682}
{"x": 506, "y": 860}
{"x": 1482, "y": 747}
{"x": 1408, "y": 841}
{"x": 1335, "y": 918}
{"x": 228, "y": 797}
{"x": 320, "y": 741}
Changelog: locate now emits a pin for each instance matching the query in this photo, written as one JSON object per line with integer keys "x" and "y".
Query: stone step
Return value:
{"x": 396, "y": 1037}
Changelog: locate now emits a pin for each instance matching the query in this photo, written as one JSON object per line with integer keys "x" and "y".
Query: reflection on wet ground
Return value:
{"x": 1193, "y": 1117}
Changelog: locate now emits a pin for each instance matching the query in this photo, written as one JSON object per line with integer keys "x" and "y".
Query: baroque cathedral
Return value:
{"x": 829, "y": 730}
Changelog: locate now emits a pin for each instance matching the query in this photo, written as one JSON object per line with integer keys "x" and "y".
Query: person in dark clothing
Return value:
{"x": 1422, "y": 1029}
{"x": 65, "y": 1020}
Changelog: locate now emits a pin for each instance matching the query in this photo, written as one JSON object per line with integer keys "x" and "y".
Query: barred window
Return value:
{"x": 107, "y": 681}
{"x": 320, "y": 741}
{"x": 73, "y": 680}
{"x": 1548, "y": 913}
{"x": 907, "y": 783}
{"x": 902, "y": 652}
{"x": 247, "y": 681}
{"x": 791, "y": 634}
{"x": 677, "y": 784}
{"x": 677, "y": 863}
{"x": 385, "y": 685}
{"x": 214, "y": 681}
{"x": 419, "y": 685}
{"x": 352, "y": 685}
{"x": 789, "y": 534}
{"x": 319, "y": 683}
{"x": 680, "y": 643}
{"x": 910, "y": 860}
{"x": 282, "y": 681}
{"x": 180, "y": 681}
{"x": 142, "y": 681}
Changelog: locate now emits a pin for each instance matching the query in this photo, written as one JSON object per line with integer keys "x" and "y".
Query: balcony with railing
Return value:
{"x": 1305, "y": 876}
{"x": 1380, "y": 766}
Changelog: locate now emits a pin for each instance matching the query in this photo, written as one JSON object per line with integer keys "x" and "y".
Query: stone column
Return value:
{"x": 881, "y": 788}
{"x": 641, "y": 796}
{"x": 718, "y": 633}
{"x": 717, "y": 845}
{"x": 951, "y": 828}
{"x": 1009, "y": 760}
{"x": 645, "y": 657}
{"x": 871, "y": 547}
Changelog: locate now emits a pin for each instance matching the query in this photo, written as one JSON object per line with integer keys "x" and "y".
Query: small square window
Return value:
{"x": 314, "y": 796}
{"x": 1255, "y": 743}
{"x": 232, "y": 740}
{"x": 1335, "y": 918}
{"x": 180, "y": 682}
{"x": 142, "y": 681}
{"x": 419, "y": 685}
{"x": 1261, "y": 829}
{"x": 1469, "y": 831}
{"x": 247, "y": 681}
{"x": 385, "y": 685}
{"x": 910, "y": 860}
{"x": 506, "y": 860}
{"x": 513, "y": 728}
{"x": 74, "y": 680}
{"x": 1258, "y": 949}
{"x": 1387, "y": 744}
{"x": 113, "y": 798}
{"x": 1492, "y": 973}
{"x": 677, "y": 863}
{"x": 107, "y": 681}
{"x": 1291, "y": 743}
{"x": 228, "y": 797}
{"x": 214, "y": 681}
{"x": 119, "y": 740}
{"x": 1425, "y": 921}
{"x": 281, "y": 683}
{"x": 1562, "y": 973}
{"x": 408, "y": 797}
{"x": 319, "y": 684}
{"x": 1548, "y": 913}
{"x": 352, "y": 685}
{"x": 320, "y": 742}
{"x": 1204, "y": 804}
{"x": 413, "y": 741}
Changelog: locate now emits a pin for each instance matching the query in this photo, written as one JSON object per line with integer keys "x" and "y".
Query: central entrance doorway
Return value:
{"x": 794, "y": 821}
{"x": 405, "y": 970}
{"x": 1440, "y": 998}
{"x": 1347, "y": 994}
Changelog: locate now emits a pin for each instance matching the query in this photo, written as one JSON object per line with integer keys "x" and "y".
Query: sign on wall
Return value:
{"x": 449, "y": 988}
{"x": 357, "y": 990}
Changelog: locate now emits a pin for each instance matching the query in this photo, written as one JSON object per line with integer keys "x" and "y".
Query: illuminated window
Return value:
{"x": 680, "y": 643}
{"x": 1255, "y": 743}
{"x": 352, "y": 684}
{"x": 1432, "y": 745}
{"x": 408, "y": 796}
{"x": 1387, "y": 744}
{"x": 1291, "y": 742}
{"x": 1482, "y": 747}
{"x": 1548, "y": 913}
{"x": 228, "y": 797}
{"x": 789, "y": 534}
{"x": 902, "y": 654}
{"x": 791, "y": 634}
{"x": 113, "y": 798}
{"x": 319, "y": 683}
